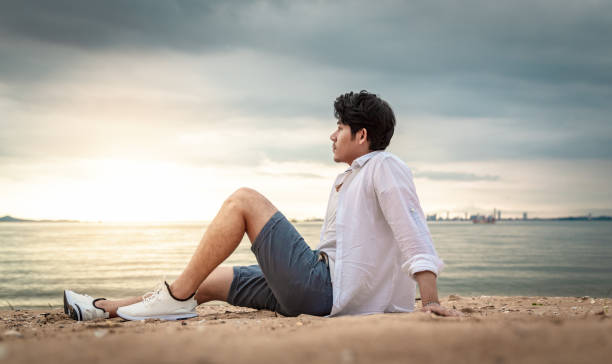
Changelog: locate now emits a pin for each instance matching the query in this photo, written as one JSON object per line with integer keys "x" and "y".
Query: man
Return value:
{"x": 375, "y": 245}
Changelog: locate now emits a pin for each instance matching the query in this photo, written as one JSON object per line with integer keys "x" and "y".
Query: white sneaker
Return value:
{"x": 81, "y": 307}
{"x": 160, "y": 304}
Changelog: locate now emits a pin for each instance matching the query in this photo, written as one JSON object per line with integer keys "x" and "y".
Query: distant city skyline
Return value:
{"x": 158, "y": 110}
{"x": 430, "y": 217}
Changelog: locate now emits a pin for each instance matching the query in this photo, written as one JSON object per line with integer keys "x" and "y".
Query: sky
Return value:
{"x": 157, "y": 110}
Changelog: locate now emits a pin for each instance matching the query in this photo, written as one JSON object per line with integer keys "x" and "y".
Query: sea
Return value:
{"x": 114, "y": 260}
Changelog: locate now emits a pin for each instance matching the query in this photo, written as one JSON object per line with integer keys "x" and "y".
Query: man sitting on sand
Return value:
{"x": 375, "y": 245}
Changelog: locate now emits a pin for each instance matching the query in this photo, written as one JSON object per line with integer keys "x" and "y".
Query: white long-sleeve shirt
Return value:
{"x": 328, "y": 231}
{"x": 381, "y": 236}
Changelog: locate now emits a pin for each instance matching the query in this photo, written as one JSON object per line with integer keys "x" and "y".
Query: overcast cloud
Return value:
{"x": 472, "y": 83}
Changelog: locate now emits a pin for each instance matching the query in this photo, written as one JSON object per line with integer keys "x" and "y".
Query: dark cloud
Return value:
{"x": 482, "y": 139}
{"x": 545, "y": 66}
{"x": 532, "y": 40}
{"x": 536, "y": 41}
{"x": 109, "y": 24}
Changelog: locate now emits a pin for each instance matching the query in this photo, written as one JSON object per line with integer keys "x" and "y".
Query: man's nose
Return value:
{"x": 332, "y": 137}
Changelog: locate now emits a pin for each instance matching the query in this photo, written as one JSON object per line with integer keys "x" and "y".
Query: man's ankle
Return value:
{"x": 178, "y": 294}
{"x": 101, "y": 304}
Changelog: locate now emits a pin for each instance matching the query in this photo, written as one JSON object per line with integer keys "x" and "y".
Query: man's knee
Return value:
{"x": 243, "y": 197}
{"x": 246, "y": 193}
{"x": 254, "y": 207}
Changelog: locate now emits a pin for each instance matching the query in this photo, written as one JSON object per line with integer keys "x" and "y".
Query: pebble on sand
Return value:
{"x": 13, "y": 333}
{"x": 100, "y": 333}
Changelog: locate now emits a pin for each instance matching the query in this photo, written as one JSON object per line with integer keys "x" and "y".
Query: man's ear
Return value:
{"x": 363, "y": 136}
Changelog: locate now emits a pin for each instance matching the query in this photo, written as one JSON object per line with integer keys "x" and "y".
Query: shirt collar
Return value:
{"x": 361, "y": 161}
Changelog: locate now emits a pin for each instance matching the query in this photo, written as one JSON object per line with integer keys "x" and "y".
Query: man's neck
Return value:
{"x": 358, "y": 156}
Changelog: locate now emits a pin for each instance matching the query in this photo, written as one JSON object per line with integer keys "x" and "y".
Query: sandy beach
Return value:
{"x": 493, "y": 329}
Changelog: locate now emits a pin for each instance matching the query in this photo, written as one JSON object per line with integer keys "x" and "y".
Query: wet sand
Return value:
{"x": 493, "y": 329}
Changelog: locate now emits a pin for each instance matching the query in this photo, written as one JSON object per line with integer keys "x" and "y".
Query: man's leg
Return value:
{"x": 246, "y": 210}
{"x": 214, "y": 288}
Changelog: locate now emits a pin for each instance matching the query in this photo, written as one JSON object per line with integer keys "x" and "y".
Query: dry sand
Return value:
{"x": 493, "y": 330}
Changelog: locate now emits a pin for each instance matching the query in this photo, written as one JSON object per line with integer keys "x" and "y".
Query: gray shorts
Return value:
{"x": 290, "y": 278}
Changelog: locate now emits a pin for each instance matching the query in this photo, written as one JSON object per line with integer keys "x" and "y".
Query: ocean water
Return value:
{"x": 544, "y": 258}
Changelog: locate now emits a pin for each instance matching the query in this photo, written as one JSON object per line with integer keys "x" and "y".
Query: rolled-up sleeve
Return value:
{"x": 400, "y": 206}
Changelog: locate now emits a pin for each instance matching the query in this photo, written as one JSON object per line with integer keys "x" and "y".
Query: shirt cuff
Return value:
{"x": 423, "y": 262}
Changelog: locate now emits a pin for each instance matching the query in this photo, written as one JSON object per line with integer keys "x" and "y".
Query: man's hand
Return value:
{"x": 429, "y": 295}
{"x": 441, "y": 310}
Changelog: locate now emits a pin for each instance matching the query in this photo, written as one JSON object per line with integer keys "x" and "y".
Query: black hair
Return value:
{"x": 366, "y": 110}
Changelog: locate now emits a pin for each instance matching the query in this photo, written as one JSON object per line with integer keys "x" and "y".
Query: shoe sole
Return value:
{"x": 69, "y": 310}
{"x": 182, "y": 316}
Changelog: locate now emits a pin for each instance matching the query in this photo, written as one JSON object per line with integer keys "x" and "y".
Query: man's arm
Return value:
{"x": 400, "y": 206}
{"x": 429, "y": 294}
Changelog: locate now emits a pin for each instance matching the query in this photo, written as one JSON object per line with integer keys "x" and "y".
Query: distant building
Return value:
{"x": 498, "y": 215}
{"x": 524, "y": 216}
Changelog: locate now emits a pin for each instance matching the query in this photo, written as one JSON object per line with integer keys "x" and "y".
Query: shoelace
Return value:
{"x": 150, "y": 297}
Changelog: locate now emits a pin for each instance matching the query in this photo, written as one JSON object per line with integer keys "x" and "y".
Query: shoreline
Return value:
{"x": 493, "y": 329}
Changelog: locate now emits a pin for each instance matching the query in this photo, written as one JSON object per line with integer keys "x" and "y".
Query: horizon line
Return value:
{"x": 295, "y": 220}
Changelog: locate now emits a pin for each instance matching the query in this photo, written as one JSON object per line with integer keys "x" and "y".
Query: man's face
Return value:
{"x": 345, "y": 147}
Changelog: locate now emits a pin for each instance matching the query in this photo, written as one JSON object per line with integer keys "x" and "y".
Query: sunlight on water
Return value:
{"x": 39, "y": 260}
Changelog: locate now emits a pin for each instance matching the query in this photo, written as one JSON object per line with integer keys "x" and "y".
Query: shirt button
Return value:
{"x": 412, "y": 209}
